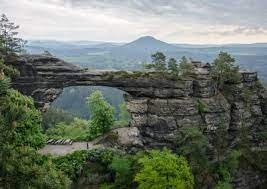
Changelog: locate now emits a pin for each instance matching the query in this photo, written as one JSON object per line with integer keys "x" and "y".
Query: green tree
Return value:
{"x": 185, "y": 67}
{"x": 224, "y": 70}
{"x": 193, "y": 144}
{"x": 159, "y": 61}
{"x": 173, "y": 67}
{"x": 21, "y": 121}
{"x": 163, "y": 170}
{"x": 10, "y": 44}
{"x": 20, "y": 135}
{"x": 123, "y": 170}
{"x": 102, "y": 114}
{"x": 124, "y": 116}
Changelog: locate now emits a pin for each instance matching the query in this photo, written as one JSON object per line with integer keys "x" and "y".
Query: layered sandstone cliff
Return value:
{"x": 160, "y": 105}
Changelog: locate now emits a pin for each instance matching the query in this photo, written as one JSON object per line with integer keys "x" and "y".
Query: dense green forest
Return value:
{"x": 24, "y": 130}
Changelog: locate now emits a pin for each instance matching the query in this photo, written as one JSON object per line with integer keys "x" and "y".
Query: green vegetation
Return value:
{"x": 115, "y": 169}
{"x": 201, "y": 106}
{"x": 185, "y": 67}
{"x": 10, "y": 44}
{"x": 172, "y": 66}
{"x": 158, "y": 62}
{"x": 102, "y": 119}
{"x": 72, "y": 164}
{"x": 194, "y": 145}
{"x": 224, "y": 70}
{"x": 102, "y": 114}
{"x": 20, "y": 121}
{"x": 204, "y": 161}
{"x": 124, "y": 172}
{"x": 77, "y": 130}
{"x": 55, "y": 116}
{"x": 124, "y": 116}
{"x": 20, "y": 131}
{"x": 162, "y": 169}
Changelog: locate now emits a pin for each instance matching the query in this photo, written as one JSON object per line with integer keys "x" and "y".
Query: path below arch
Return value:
{"x": 61, "y": 150}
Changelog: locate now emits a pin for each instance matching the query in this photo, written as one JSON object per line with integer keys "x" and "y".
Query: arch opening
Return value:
{"x": 68, "y": 115}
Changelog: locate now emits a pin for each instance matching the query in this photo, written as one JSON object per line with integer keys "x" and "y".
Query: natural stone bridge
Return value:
{"x": 160, "y": 106}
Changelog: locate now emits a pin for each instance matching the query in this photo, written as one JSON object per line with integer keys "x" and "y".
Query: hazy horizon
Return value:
{"x": 124, "y": 42}
{"x": 187, "y": 22}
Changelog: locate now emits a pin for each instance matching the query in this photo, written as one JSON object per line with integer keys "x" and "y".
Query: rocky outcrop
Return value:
{"x": 160, "y": 106}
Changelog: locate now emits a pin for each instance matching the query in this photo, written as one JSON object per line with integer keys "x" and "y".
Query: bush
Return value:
{"x": 71, "y": 164}
{"x": 21, "y": 121}
{"x": 78, "y": 130}
{"x": 124, "y": 174}
{"x": 24, "y": 167}
{"x": 162, "y": 169}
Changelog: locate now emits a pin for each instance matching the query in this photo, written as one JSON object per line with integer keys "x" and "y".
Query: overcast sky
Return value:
{"x": 185, "y": 21}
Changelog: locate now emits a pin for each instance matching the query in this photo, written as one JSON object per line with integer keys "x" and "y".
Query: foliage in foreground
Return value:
{"x": 20, "y": 121}
{"x": 20, "y": 135}
{"x": 162, "y": 169}
{"x": 194, "y": 145}
{"x": 20, "y": 128}
{"x": 23, "y": 167}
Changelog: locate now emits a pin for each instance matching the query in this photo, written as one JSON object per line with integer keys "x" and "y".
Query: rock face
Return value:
{"x": 159, "y": 106}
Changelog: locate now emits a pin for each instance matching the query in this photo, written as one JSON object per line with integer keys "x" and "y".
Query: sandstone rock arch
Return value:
{"x": 159, "y": 106}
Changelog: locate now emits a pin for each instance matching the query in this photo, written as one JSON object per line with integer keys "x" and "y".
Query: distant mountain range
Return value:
{"x": 147, "y": 43}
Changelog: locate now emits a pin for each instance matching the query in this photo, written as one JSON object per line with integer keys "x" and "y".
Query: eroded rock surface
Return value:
{"x": 159, "y": 106}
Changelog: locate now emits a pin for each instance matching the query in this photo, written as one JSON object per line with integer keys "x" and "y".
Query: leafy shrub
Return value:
{"x": 162, "y": 169}
{"x": 122, "y": 167}
{"x": 72, "y": 164}
{"x": 78, "y": 130}
{"x": 21, "y": 121}
{"x": 201, "y": 106}
{"x": 193, "y": 144}
{"x": 23, "y": 167}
